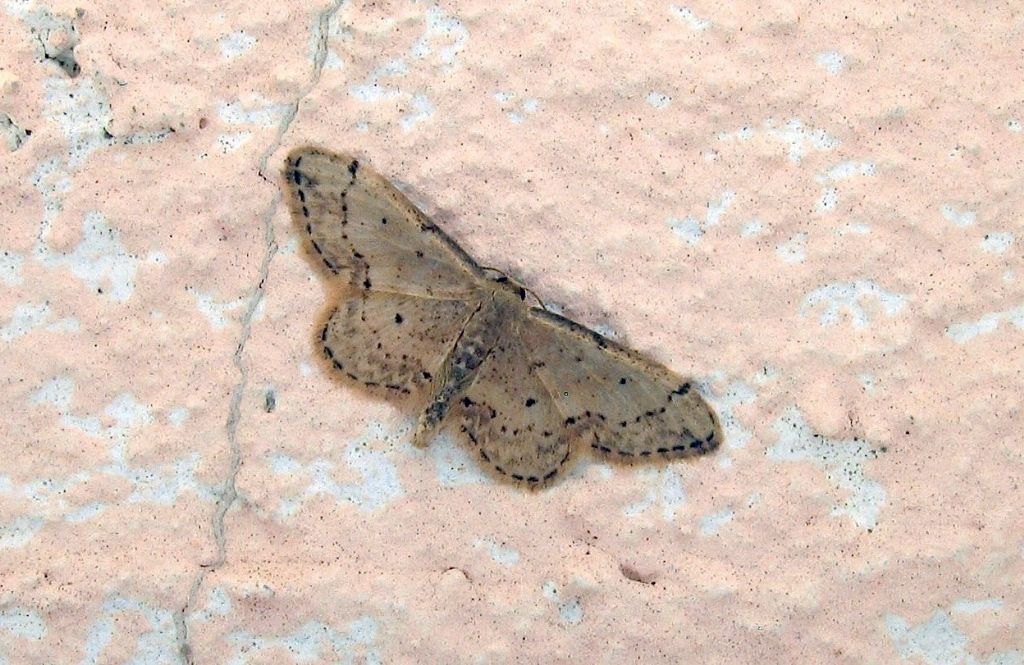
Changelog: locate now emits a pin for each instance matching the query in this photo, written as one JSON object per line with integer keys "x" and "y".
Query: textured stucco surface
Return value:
{"x": 816, "y": 211}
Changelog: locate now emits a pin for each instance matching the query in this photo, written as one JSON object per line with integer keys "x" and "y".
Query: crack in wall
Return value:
{"x": 320, "y": 30}
{"x": 229, "y": 493}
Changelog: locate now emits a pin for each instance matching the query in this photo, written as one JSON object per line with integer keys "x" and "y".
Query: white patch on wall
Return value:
{"x": 686, "y": 15}
{"x": 25, "y": 318}
{"x": 961, "y": 333}
{"x": 80, "y": 107}
{"x": 835, "y": 299}
{"x": 692, "y": 229}
{"x": 506, "y": 556}
{"x": 453, "y": 463}
{"x": 744, "y": 133}
{"x": 516, "y": 113}
{"x": 841, "y": 171}
{"x": 964, "y": 606}
{"x": 798, "y": 138}
{"x": 793, "y": 250}
{"x": 256, "y": 110}
{"x": 1015, "y": 125}
{"x": 833, "y": 61}
{"x": 842, "y": 460}
{"x": 752, "y": 228}
{"x": 177, "y": 416}
{"x": 378, "y": 484}
{"x": 158, "y": 483}
{"x": 215, "y": 312}
{"x": 152, "y": 629}
{"x": 85, "y": 512}
{"x": 19, "y": 532}
{"x": 658, "y": 100}
{"x": 21, "y": 623}
{"x": 445, "y": 29}
{"x": 228, "y": 142}
{"x": 100, "y": 260}
{"x": 736, "y": 393}
{"x": 435, "y": 52}
{"x": 373, "y": 90}
{"x": 338, "y": 30}
{"x": 829, "y": 199}
{"x": 801, "y": 139}
{"x": 10, "y": 268}
{"x": 235, "y": 44}
{"x": 314, "y": 641}
{"x": 961, "y": 218}
{"x": 846, "y": 170}
{"x": 996, "y": 243}
{"x": 664, "y": 488}
{"x": 422, "y": 110}
{"x": 710, "y": 525}
{"x": 332, "y": 61}
{"x": 218, "y": 604}
{"x": 853, "y": 228}
{"x": 938, "y": 641}
{"x": 570, "y": 609}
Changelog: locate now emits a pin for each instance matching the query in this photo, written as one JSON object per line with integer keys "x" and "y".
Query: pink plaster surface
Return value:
{"x": 817, "y": 211}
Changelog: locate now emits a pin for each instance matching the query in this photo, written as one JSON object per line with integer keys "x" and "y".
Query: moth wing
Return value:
{"x": 361, "y": 225}
{"x": 509, "y": 414}
{"x": 393, "y": 341}
{"x": 622, "y": 403}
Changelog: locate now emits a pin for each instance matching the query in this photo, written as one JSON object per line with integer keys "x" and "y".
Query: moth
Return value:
{"x": 419, "y": 317}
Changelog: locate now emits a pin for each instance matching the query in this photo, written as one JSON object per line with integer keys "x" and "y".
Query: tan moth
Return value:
{"x": 419, "y": 317}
